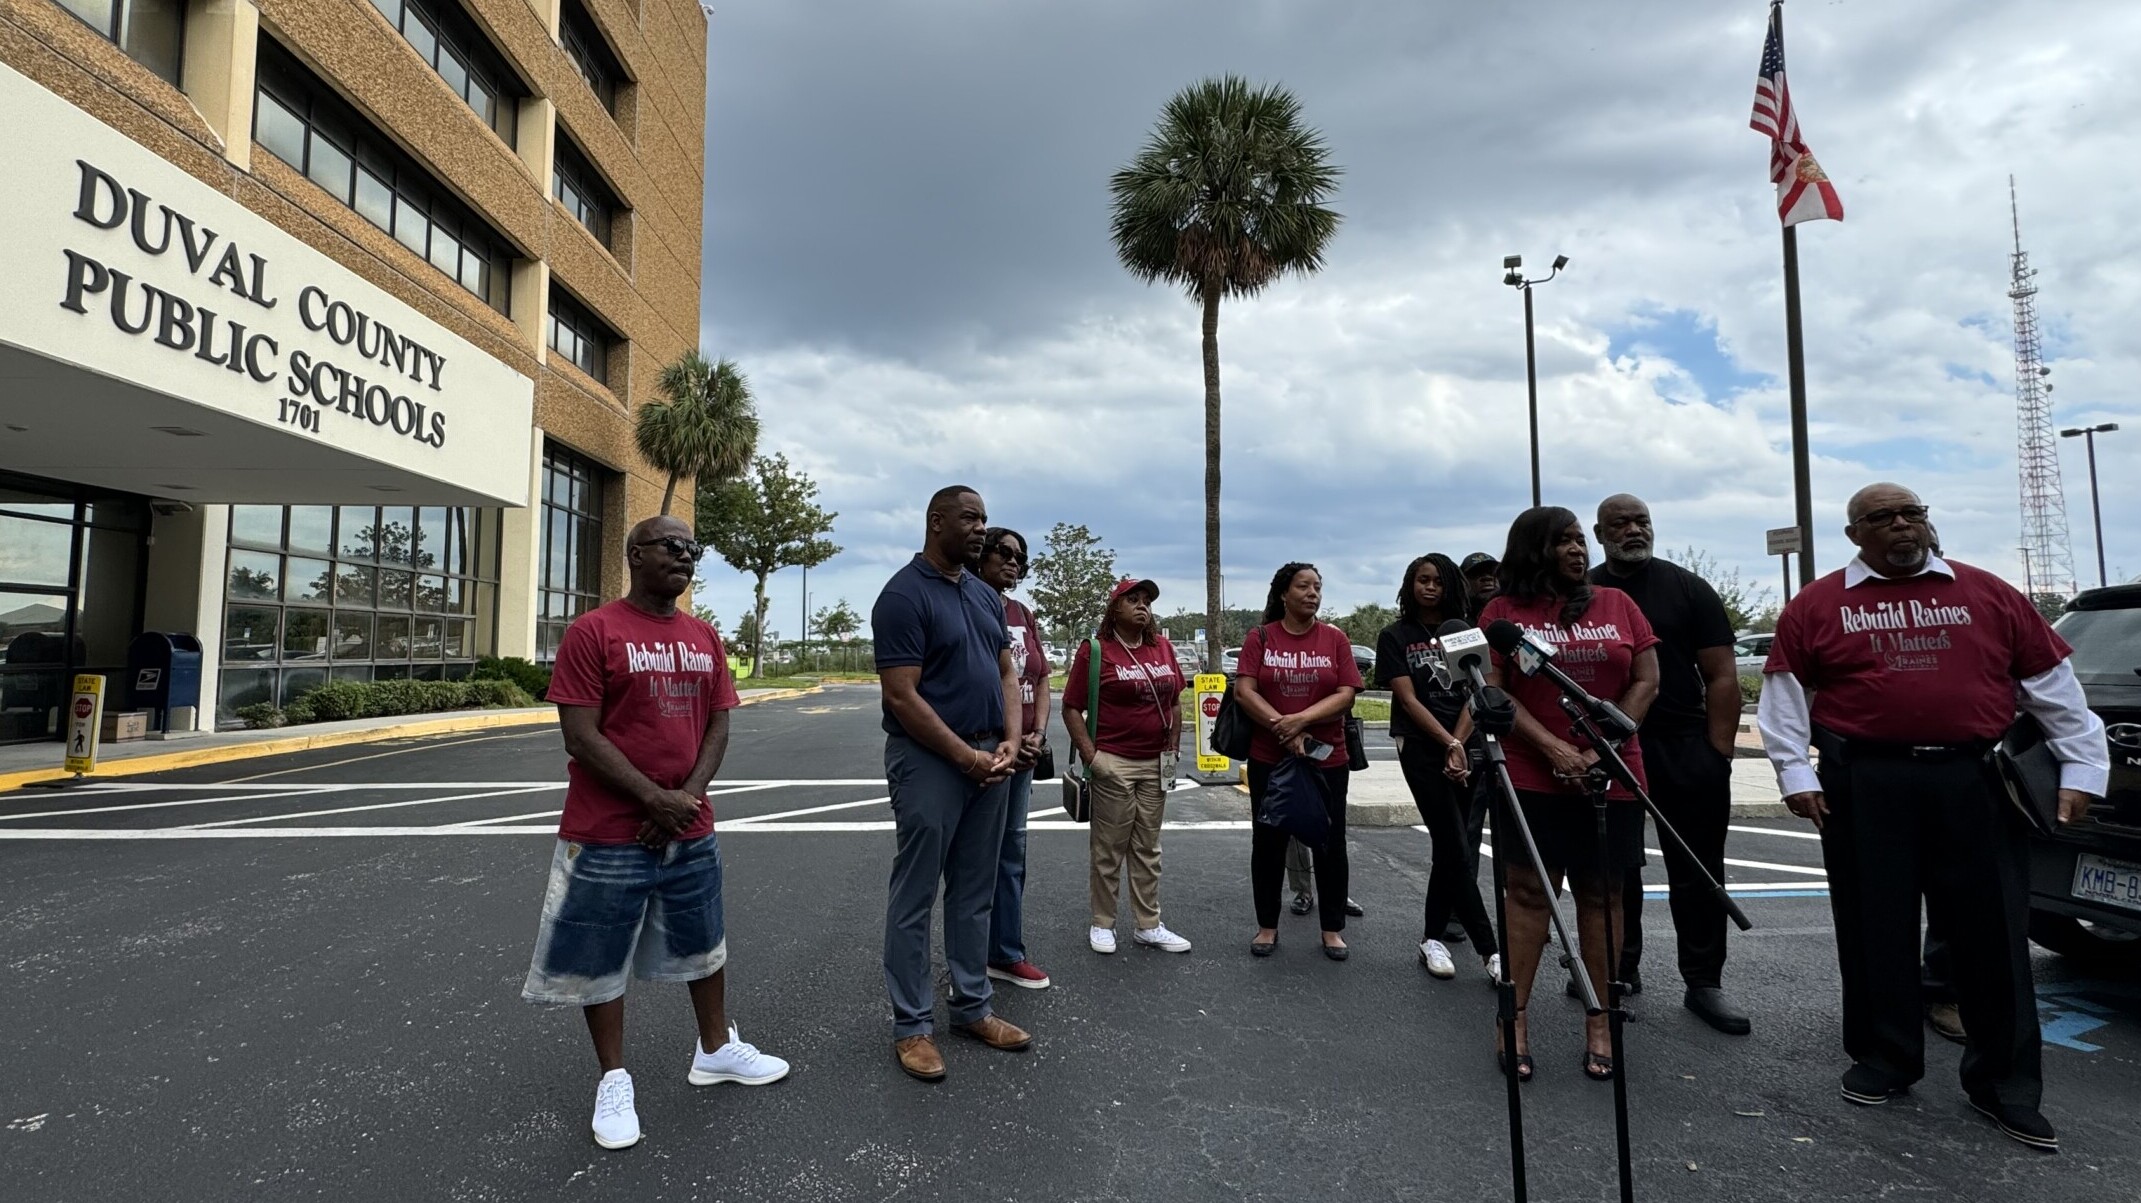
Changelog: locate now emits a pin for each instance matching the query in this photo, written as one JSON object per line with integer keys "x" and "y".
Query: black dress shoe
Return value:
{"x": 1353, "y": 909}
{"x": 1303, "y": 904}
{"x": 1337, "y": 953}
{"x": 2025, "y": 1124}
{"x": 1715, "y": 1009}
{"x": 1869, "y": 1087}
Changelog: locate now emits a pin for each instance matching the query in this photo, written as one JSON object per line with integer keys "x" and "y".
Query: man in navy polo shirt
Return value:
{"x": 951, "y": 699}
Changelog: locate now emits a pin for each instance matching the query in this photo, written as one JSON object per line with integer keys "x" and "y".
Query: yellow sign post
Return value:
{"x": 85, "y": 721}
{"x": 1210, "y": 764}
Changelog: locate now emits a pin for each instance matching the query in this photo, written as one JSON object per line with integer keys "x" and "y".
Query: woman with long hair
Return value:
{"x": 1138, "y": 734}
{"x": 1002, "y": 566}
{"x": 1605, "y": 645}
{"x": 1295, "y": 682}
{"x": 1431, "y": 727}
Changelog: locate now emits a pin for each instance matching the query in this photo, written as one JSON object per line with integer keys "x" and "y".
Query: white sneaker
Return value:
{"x": 1102, "y": 939}
{"x": 1494, "y": 969}
{"x": 1159, "y": 937}
{"x": 616, "y": 1122}
{"x": 1436, "y": 957}
{"x": 735, "y": 1062}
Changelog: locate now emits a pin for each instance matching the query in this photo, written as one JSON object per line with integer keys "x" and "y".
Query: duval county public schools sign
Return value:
{"x": 121, "y": 263}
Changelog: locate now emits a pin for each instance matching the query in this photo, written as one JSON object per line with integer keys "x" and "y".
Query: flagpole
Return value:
{"x": 1795, "y": 366}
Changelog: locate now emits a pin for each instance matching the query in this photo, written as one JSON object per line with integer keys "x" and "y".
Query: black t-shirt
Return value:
{"x": 1687, "y": 616}
{"x": 1405, "y": 648}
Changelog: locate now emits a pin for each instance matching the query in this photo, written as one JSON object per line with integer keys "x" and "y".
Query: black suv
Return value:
{"x": 2085, "y": 882}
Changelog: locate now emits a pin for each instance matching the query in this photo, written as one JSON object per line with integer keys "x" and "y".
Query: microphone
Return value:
{"x": 1464, "y": 650}
{"x": 1532, "y": 657}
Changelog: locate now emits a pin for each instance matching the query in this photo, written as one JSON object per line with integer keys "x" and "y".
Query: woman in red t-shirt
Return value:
{"x": 1139, "y": 725}
{"x": 1295, "y": 683}
{"x": 1605, "y": 645}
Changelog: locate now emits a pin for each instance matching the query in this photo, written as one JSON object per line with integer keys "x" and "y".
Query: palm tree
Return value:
{"x": 1224, "y": 198}
{"x": 705, "y": 426}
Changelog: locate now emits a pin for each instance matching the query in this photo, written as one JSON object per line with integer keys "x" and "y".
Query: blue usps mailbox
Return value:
{"x": 164, "y": 672}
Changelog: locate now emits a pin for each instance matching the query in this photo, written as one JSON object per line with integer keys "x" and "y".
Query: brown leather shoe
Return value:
{"x": 918, "y": 1055}
{"x": 998, "y": 1033}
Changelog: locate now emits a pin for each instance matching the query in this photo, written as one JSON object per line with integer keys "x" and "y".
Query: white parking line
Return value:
{"x": 345, "y": 810}
{"x": 810, "y": 810}
{"x": 106, "y": 810}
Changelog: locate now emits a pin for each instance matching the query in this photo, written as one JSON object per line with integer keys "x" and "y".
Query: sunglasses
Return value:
{"x": 1913, "y": 514}
{"x": 1008, "y": 555}
{"x": 681, "y": 549}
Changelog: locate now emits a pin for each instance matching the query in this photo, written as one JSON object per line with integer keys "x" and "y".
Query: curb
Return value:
{"x": 195, "y": 757}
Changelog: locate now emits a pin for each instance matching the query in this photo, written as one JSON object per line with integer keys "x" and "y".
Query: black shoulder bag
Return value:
{"x": 1078, "y": 784}
{"x": 1231, "y": 731}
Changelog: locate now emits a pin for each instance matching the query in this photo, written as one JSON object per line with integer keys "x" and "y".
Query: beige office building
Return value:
{"x": 321, "y": 325}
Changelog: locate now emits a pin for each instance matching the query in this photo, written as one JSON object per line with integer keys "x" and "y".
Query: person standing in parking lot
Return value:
{"x": 1688, "y": 739}
{"x": 1902, "y": 669}
{"x": 952, "y": 742}
{"x": 1003, "y": 566}
{"x": 1482, "y": 576}
{"x": 643, "y": 694}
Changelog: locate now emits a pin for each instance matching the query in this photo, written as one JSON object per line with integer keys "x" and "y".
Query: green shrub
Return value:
{"x": 262, "y": 715}
{"x": 1751, "y": 688}
{"x": 338, "y": 700}
{"x": 533, "y": 677}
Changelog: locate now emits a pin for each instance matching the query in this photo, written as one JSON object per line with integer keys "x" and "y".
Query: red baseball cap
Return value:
{"x": 1131, "y": 584}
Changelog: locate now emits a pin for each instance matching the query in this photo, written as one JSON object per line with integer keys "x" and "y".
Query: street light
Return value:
{"x": 1512, "y": 267}
{"x": 2088, "y": 435}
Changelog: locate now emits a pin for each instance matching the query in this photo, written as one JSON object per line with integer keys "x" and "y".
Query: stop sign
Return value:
{"x": 1211, "y": 706}
{"x": 82, "y": 707}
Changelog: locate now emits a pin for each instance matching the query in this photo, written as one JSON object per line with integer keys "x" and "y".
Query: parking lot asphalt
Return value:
{"x": 298, "y": 977}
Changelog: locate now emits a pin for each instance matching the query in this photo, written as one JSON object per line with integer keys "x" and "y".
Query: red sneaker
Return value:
{"x": 1025, "y": 975}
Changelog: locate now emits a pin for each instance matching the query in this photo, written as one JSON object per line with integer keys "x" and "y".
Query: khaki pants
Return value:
{"x": 1128, "y": 804}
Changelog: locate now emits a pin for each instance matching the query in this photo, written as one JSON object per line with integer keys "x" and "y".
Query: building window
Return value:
{"x": 579, "y": 335}
{"x": 572, "y": 545}
{"x": 151, "y": 32}
{"x": 315, "y": 593}
{"x": 590, "y": 53}
{"x": 444, "y": 37}
{"x": 579, "y": 187}
{"x": 302, "y": 122}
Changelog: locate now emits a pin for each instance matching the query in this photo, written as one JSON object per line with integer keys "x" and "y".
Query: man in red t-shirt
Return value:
{"x": 1902, "y": 670}
{"x": 643, "y": 695}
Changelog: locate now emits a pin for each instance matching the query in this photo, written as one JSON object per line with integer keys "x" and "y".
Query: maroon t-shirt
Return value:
{"x": 657, "y": 682}
{"x": 1919, "y": 660}
{"x": 1140, "y": 688}
{"x": 1597, "y": 653}
{"x": 1030, "y": 660}
{"x": 1293, "y": 673}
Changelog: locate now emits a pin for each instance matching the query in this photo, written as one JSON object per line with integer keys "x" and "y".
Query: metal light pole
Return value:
{"x": 1514, "y": 277}
{"x": 2088, "y": 435}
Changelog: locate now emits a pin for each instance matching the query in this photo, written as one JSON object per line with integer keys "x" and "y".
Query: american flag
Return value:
{"x": 1804, "y": 192}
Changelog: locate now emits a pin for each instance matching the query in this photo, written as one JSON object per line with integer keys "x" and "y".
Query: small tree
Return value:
{"x": 837, "y": 621}
{"x": 705, "y": 426}
{"x": 1070, "y": 581}
{"x": 705, "y": 614}
{"x": 1744, "y": 600}
{"x": 764, "y": 521}
{"x": 1365, "y": 622}
{"x": 746, "y": 641}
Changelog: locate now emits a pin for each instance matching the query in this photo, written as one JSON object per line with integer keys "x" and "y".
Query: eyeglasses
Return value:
{"x": 1009, "y": 556}
{"x": 1913, "y": 514}
{"x": 682, "y": 549}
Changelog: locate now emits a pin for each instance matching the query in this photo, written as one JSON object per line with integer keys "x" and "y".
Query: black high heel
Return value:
{"x": 1501, "y": 1056}
{"x": 1598, "y": 1067}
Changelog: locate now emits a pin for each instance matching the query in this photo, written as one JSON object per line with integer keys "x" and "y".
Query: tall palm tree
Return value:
{"x": 705, "y": 426}
{"x": 1225, "y": 197}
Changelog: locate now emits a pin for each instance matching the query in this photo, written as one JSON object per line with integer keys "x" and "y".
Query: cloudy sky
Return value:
{"x": 907, "y": 251}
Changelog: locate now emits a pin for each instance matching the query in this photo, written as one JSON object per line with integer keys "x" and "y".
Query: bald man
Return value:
{"x": 643, "y": 695}
{"x": 1903, "y": 669}
{"x": 1688, "y": 739}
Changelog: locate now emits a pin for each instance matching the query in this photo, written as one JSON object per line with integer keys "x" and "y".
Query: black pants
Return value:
{"x": 1898, "y": 829}
{"x": 1267, "y": 853}
{"x": 1936, "y": 974}
{"x": 1446, "y": 807}
{"x": 1692, "y": 786}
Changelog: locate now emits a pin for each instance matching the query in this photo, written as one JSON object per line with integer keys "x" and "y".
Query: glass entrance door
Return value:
{"x": 71, "y": 572}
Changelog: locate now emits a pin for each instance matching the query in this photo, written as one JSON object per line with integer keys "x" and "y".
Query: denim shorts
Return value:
{"x": 610, "y": 906}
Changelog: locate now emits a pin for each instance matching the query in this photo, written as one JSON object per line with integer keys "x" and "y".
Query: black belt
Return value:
{"x": 1874, "y": 749}
{"x": 995, "y": 736}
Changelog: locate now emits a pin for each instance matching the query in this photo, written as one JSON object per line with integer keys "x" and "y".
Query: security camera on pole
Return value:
{"x": 1512, "y": 266}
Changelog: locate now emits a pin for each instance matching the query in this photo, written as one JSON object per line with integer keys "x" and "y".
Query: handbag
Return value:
{"x": 1077, "y": 784}
{"x": 1231, "y": 731}
{"x": 2029, "y": 773}
{"x": 1356, "y": 745}
{"x": 1044, "y": 765}
{"x": 1295, "y": 801}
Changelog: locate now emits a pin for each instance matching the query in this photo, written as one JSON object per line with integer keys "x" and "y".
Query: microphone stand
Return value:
{"x": 1492, "y": 724}
{"x": 1611, "y": 768}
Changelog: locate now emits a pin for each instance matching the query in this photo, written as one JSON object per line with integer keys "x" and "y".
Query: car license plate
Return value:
{"x": 2112, "y": 882}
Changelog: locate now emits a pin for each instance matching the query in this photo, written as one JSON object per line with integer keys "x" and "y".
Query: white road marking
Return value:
{"x": 1777, "y": 831}
{"x": 810, "y": 810}
{"x": 284, "y": 792}
{"x": 344, "y": 810}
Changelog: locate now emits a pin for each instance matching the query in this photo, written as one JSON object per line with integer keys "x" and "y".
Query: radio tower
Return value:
{"x": 2046, "y": 557}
